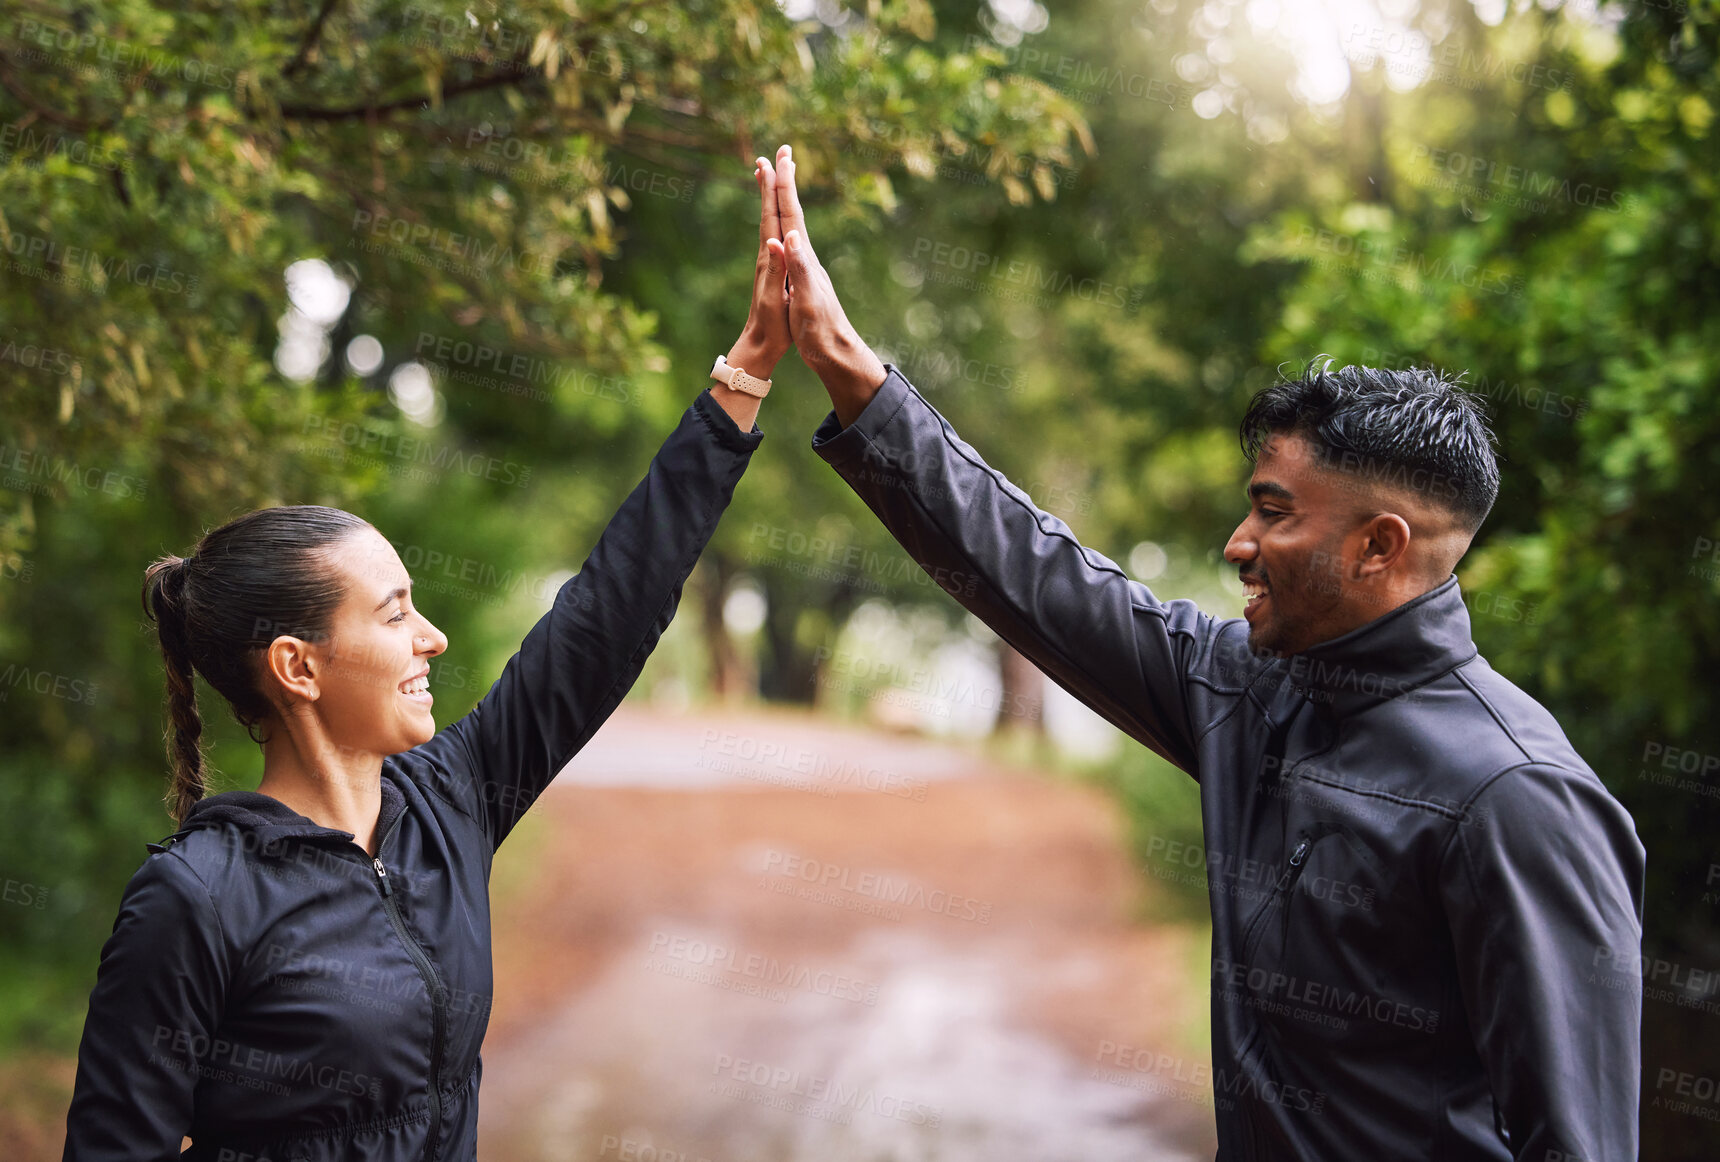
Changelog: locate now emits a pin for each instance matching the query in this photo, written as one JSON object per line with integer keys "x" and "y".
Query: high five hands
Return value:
{"x": 794, "y": 303}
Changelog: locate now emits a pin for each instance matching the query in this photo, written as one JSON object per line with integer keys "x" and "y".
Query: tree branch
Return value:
{"x": 476, "y": 84}
{"x": 309, "y": 43}
{"x": 29, "y": 100}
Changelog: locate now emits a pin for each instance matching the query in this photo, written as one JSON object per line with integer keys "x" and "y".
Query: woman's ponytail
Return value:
{"x": 164, "y": 600}
{"x": 256, "y": 577}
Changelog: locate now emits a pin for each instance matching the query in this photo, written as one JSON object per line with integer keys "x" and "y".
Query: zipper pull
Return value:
{"x": 1289, "y": 873}
{"x": 381, "y": 875}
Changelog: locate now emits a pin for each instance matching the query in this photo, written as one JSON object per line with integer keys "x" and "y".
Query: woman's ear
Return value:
{"x": 293, "y": 665}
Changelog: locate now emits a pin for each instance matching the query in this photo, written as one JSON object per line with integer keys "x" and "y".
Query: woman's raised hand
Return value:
{"x": 765, "y": 337}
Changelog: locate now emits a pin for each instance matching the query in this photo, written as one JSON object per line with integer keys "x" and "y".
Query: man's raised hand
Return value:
{"x": 827, "y": 342}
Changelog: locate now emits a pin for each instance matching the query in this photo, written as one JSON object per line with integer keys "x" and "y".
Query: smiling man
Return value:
{"x": 1368, "y": 488}
{"x": 1426, "y": 907}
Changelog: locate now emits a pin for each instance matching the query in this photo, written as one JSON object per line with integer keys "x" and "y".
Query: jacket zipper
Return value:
{"x": 1286, "y": 881}
{"x": 1288, "y": 884}
{"x": 438, "y": 996}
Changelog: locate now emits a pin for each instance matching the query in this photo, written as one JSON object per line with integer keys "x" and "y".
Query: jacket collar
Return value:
{"x": 270, "y": 821}
{"x": 1390, "y": 657}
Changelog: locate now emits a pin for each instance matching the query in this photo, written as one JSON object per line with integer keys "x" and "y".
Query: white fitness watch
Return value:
{"x": 737, "y": 379}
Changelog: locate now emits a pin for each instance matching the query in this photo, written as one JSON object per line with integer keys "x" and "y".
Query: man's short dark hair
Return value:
{"x": 1416, "y": 428}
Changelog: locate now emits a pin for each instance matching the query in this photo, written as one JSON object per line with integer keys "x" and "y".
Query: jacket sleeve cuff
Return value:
{"x": 840, "y": 446}
{"x": 723, "y": 426}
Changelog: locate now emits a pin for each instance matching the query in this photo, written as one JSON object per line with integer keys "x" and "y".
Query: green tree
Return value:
{"x": 464, "y": 178}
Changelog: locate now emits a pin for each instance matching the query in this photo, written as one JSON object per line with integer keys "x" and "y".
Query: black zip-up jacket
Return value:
{"x": 1426, "y": 908}
{"x": 275, "y": 993}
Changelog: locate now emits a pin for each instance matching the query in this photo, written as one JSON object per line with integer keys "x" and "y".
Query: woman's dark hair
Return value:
{"x": 1416, "y": 425}
{"x": 244, "y": 584}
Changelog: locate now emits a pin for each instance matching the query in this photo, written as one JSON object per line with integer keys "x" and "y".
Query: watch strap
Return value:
{"x": 738, "y": 379}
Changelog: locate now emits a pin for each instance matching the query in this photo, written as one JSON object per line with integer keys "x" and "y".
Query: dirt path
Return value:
{"x": 767, "y": 939}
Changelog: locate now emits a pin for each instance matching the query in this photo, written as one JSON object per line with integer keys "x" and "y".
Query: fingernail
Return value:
{"x": 788, "y": 151}
{"x": 794, "y": 241}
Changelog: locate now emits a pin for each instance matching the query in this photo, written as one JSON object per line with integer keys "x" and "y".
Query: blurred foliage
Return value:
{"x": 1087, "y": 246}
{"x": 470, "y": 172}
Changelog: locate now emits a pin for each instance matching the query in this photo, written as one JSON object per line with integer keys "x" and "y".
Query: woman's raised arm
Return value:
{"x": 581, "y": 658}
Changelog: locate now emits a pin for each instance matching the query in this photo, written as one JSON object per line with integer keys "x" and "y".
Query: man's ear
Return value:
{"x": 295, "y": 666}
{"x": 1385, "y": 541}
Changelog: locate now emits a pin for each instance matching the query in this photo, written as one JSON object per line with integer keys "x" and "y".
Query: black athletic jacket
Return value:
{"x": 274, "y": 993}
{"x": 1426, "y": 907}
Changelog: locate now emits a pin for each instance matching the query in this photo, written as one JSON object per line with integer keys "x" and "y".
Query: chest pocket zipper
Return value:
{"x": 1280, "y": 896}
{"x": 1293, "y": 873}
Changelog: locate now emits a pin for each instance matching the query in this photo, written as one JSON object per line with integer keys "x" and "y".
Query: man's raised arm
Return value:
{"x": 1103, "y": 637}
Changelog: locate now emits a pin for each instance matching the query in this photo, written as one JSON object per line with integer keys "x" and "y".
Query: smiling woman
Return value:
{"x": 303, "y": 971}
{"x": 301, "y": 617}
{"x": 306, "y": 966}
